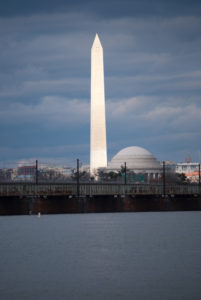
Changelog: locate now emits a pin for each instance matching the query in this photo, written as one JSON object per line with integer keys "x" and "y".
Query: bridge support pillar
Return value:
{"x": 121, "y": 202}
{"x": 82, "y": 204}
{"x": 31, "y": 200}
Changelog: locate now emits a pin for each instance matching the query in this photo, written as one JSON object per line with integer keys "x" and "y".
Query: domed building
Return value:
{"x": 138, "y": 160}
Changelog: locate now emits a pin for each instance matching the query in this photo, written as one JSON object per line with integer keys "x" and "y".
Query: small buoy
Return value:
{"x": 39, "y": 215}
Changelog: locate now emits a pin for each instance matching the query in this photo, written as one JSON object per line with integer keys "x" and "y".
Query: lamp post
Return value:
{"x": 125, "y": 171}
{"x": 164, "y": 188}
{"x": 78, "y": 179}
{"x": 36, "y": 175}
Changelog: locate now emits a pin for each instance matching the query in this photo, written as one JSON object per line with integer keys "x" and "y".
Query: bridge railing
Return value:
{"x": 94, "y": 189}
{"x": 132, "y": 189}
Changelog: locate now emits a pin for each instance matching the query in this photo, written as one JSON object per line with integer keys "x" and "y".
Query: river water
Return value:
{"x": 101, "y": 256}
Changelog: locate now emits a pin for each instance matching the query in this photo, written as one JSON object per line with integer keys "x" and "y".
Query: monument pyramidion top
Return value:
{"x": 96, "y": 43}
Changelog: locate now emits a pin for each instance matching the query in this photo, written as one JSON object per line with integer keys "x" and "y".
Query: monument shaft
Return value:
{"x": 98, "y": 147}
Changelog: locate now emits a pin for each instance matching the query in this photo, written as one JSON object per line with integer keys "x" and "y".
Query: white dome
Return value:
{"x": 134, "y": 151}
{"x": 136, "y": 159}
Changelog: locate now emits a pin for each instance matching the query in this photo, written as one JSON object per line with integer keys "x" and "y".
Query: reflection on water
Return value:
{"x": 101, "y": 256}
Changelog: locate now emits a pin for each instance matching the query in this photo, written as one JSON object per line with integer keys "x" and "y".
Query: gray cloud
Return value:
{"x": 152, "y": 79}
{"x": 50, "y": 112}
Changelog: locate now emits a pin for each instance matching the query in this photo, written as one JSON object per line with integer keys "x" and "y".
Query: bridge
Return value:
{"x": 46, "y": 198}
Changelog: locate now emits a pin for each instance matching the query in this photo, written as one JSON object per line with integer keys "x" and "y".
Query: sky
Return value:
{"x": 152, "y": 63}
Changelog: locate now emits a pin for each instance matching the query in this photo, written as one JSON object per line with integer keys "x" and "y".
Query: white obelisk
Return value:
{"x": 98, "y": 147}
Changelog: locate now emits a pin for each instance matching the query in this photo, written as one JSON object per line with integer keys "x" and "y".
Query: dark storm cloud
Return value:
{"x": 152, "y": 77}
{"x": 106, "y": 9}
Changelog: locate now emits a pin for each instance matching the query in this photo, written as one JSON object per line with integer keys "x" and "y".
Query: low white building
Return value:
{"x": 186, "y": 167}
{"x": 190, "y": 169}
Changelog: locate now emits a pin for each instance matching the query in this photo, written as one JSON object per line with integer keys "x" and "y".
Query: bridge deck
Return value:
{"x": 94, "y": 189}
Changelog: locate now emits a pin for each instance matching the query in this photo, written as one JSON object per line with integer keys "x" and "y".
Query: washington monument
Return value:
{"x": 98, "y": 147}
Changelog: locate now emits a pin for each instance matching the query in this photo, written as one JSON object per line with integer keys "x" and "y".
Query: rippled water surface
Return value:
{"x": 101, "y": 256}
